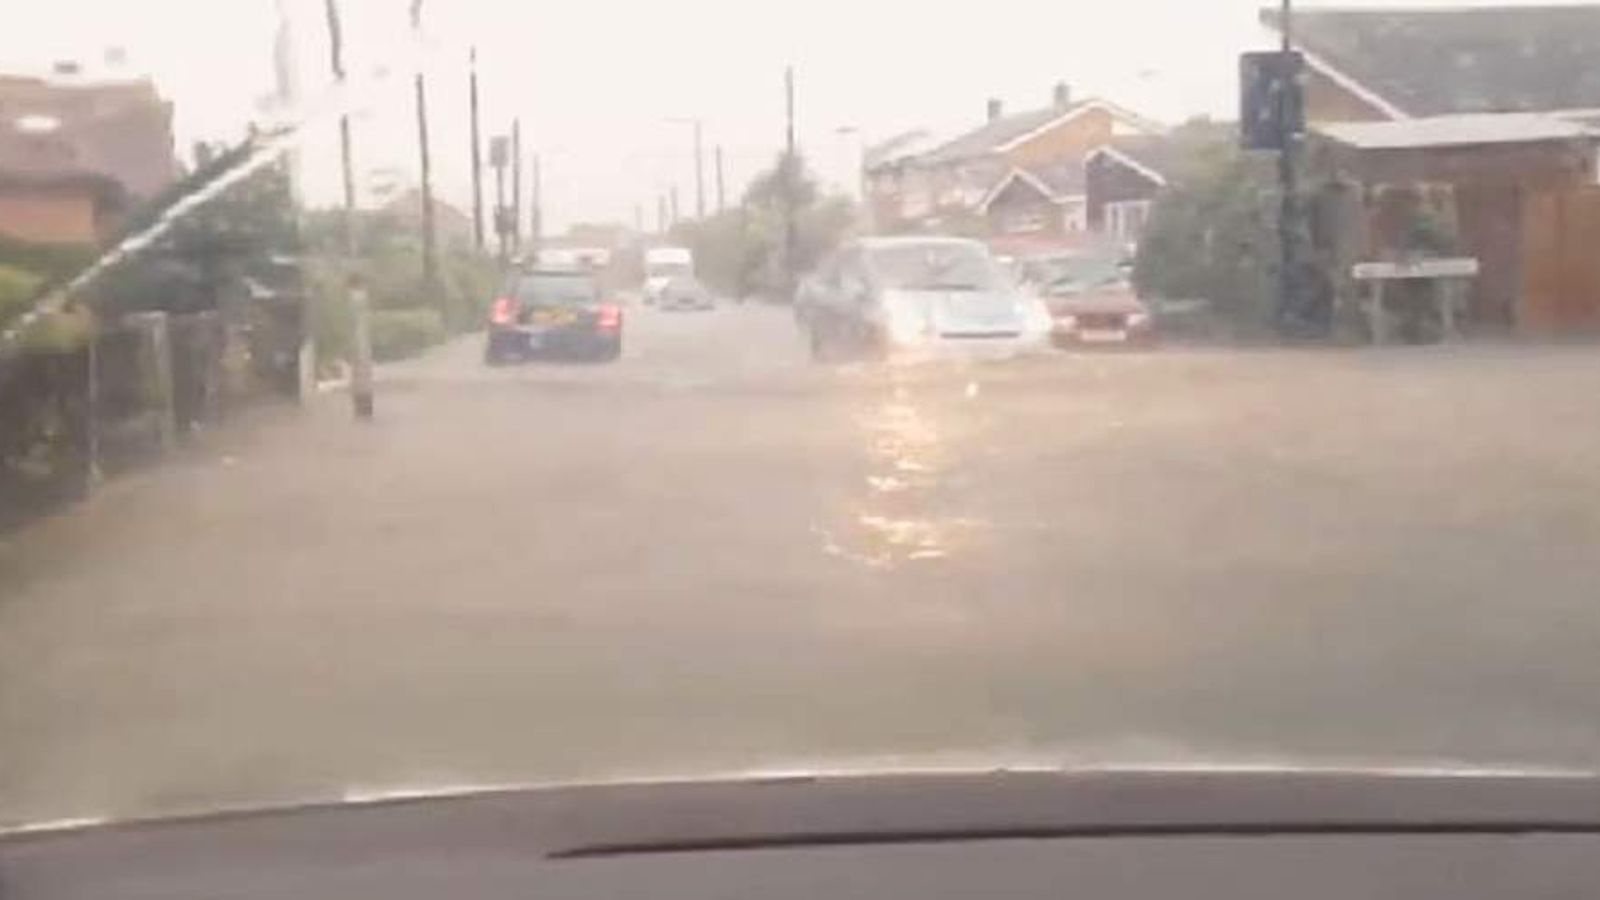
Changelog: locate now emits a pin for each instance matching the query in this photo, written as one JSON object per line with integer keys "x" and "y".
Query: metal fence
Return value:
{"x": 147, "y": 379}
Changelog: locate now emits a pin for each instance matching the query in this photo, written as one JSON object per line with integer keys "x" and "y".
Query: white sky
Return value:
{"x": 594, "y": 80}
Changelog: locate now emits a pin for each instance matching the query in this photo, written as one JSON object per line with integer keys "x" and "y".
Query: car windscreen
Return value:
{"x": 934, "y": 267}
{"x": 1079, "y": 272}
{"x": 556, "y": 289}
{"x": 668, "y": 269}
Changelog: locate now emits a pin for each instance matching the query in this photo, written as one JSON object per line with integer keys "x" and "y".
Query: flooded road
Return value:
{"x": 714, "y": 556}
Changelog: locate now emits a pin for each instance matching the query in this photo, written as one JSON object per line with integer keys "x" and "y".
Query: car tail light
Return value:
{"x": 610, "y": 317}
{"x": 504, "y": 311}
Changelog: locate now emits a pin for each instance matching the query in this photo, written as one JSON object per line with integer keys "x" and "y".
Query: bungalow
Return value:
{"x": 1470, "y": 131}
{"x": 1018, "y": 174}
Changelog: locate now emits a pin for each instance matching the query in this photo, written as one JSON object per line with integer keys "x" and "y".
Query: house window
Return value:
{"x": 1125, "y": 219}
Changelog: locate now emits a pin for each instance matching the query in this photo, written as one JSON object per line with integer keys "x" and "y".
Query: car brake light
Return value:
{"x": 610, "y": 318}
{"x": 504, "y": 311}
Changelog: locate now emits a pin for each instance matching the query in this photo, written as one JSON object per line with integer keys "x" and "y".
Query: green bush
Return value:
{"x": 45, "y": 260}
{"x": 397, "y": 333}
{"x": 17, "y": 289}
{"x": 471, "y": 282}
{"x": 1212, "y": 236}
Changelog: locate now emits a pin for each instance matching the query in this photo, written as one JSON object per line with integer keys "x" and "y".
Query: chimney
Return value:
{"x": 994, "y": 108}
{"x": 1061, "y": 95}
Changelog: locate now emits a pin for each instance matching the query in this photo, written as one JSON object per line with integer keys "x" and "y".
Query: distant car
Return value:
{"x": 558, "y": 312}
{"x": 685, "y": 293}
{"x": 661, "y": 266}
{"x": 917, "y": 296}
{"x": 1091, "y": 301}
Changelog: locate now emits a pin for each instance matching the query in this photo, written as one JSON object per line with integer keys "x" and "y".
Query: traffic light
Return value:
{"x": 1271, "y": 101}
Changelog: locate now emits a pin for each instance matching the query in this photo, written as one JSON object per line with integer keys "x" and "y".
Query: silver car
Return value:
{"x": 917, "y": 296}
{"x": 685, "y": 292}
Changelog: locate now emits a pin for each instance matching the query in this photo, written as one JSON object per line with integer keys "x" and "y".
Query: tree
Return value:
{"x": 239, "y": 234}
{"x": 740, "y": 251}
{"x": 1212, "y": 234}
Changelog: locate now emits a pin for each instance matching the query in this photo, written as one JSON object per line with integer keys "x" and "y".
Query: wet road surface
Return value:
{"x": 714, "y": 556}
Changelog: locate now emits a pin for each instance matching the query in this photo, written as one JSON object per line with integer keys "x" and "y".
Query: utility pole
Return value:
{"x": 430, "y": 237}
{"x": 499, "y": 153}
{"x": 516, "y": 185}
{"x": 536, "y": 208}
{"x": 1291, "y": 312}
{"x": 361, "y": 365}
{"x": 699, "y": 165}
{"x": 699, "y": 174}
{"x": 790, "y": 164}
{"x": 477, "y": 152}
{"x": 722, "y": 200}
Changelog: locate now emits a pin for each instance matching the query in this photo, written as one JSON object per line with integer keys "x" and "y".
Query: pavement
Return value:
{"x": 714, "y": 556}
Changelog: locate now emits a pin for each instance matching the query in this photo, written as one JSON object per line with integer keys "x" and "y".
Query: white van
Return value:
{"x": 661, "y": 266}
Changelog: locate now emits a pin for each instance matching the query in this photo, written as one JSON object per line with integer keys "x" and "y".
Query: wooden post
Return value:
{"x": 1377, "y": 316}
{"x": 361, "y": 366}
{"x": 1447, "y": 307}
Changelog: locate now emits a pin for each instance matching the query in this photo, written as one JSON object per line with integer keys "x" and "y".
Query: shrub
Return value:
{"x": 1212, "y": 235}
{"x": 399, "y": 333}
{"x": 17, "y": 288}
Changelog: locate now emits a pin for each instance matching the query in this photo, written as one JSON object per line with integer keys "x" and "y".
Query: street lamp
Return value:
{"x": 862, "y": 182}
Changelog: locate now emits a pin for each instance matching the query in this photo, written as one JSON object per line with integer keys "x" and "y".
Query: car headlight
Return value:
{"x": 1066, "y": 322}
{"x": 1138, "y": 319}
{"x": 1035, "y": 316}
{"x": 907, "y": 329}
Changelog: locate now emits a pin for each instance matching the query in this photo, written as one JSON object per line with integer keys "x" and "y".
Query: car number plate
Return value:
{"x": 552, "y": 317}
{"x": 1103, "y": 336}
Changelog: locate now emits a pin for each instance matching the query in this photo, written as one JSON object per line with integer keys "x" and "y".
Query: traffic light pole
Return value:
{"x": 1289, "y": 312}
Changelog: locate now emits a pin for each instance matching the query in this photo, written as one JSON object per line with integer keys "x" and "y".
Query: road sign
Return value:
{"x": 1271, "y": 102}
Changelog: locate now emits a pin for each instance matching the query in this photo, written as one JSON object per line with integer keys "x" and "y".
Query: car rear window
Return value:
{"x": 556, "y": 288}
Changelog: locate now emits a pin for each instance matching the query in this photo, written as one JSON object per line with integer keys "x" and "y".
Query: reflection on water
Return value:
{"x": 892, "y": 523}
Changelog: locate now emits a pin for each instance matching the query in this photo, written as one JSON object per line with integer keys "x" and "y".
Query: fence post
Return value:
{"x": 91, "y": 411}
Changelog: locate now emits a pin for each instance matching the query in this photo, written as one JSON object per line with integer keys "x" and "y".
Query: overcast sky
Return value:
{"x": 595, "y": 80}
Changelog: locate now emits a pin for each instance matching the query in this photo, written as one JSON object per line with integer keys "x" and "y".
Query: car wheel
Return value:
{"x": 610, "y": 352}
{"x": 493, "y": 355}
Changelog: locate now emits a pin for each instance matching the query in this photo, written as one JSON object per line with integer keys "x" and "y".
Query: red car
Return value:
{"x": 1091, "y": 301}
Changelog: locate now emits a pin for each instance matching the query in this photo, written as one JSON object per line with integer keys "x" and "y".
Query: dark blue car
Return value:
{"x": 557, "y": 313}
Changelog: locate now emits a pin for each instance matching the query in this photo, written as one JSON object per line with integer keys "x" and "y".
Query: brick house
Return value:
{"x": 1017, "y": 178}
{"x": 1479, "y": 120}
{"x": 75, "y": 154}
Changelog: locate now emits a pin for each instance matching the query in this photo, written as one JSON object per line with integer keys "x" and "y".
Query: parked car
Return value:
{"x": 917, "y": 296}
{"x": 685, "y": 292}
{"x": 1091, "y": 299}
{"x": 558, "y": 312}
